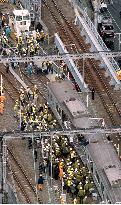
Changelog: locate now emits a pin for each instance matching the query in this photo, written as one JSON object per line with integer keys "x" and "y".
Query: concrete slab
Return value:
{"x": 51, "y": 77}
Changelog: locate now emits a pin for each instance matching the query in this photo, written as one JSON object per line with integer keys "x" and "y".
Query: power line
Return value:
{"x": 18, "y": 134}
{"x": 62, "y": 56}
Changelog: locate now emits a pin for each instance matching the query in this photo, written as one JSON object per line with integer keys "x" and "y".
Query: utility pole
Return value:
{"x": 4, "y": 160}
{"x": 1, "y": 85}
{"x": 51, "y": 183}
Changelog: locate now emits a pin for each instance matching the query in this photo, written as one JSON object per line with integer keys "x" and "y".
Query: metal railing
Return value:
{"x": 100, "y": 40}
{"x": 80, "y": 5}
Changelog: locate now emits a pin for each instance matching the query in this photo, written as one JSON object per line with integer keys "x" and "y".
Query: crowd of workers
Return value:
{"x": 44, "y": 68}
{"x": 32, "y": 114}
{"x": 65, "y": 164}
{"x": 28, "y": 43}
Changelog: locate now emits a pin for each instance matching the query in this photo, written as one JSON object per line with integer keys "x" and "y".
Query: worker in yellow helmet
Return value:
{"x": 20, "y": 40}
{"x": 38, "y": 37}
{"x": 32, "y": 49}
{"x": 42, "y": 35}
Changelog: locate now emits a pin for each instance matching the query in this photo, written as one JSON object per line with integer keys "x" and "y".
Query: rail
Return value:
{"x": 25, "y": 175}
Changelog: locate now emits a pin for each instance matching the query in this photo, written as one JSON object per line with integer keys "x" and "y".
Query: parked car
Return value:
{"x": 106, "y": 30}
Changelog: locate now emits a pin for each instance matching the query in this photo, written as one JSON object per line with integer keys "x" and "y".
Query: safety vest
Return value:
{"x": 15, "y": 107}
{"x": 31, "y": 119}
{"x": 20, "y": 39}
{"x": 86, "y": 187}
{"x": 2, "y": 98}
{"x": 37, "y": 35}
{"x": 81, "y": 193}
{"x": 5, "y": 40}
{"x": 42, "y": 34}
{"x": 69, "y": 183}
{"x": 50, "y": 118}
{"x": 1, "y": 108}
{"x": 37, "y": 46}
{"x": 32, "y": 49}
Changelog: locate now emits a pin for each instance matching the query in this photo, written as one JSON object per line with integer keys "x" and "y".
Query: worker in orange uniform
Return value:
{"x": 2, "y": 101}
{"x": 119, "y": 74}
{"x": 61, "y": 170}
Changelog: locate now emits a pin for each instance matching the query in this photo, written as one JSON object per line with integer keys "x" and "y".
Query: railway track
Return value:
{"x": 70, "y": 34}
{"x": 34, "y": 80}
{"x": 27, "y": 189}
{"x": 9, "y": 84}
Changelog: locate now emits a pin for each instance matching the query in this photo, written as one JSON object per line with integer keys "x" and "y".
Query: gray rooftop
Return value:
{"x": 85, "y": 122}
{"x": 72, "y": 103}
{"x": 108, "y": 156}
{"x": 76, "y": 107}
{"x": 63, "y": 90}
{"x": 106, "y": 159}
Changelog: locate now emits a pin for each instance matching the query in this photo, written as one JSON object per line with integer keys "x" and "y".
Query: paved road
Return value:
{"x": 114, "y": 10}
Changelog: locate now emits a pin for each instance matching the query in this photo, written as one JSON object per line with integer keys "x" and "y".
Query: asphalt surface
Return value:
{"x": 114, "y": 10}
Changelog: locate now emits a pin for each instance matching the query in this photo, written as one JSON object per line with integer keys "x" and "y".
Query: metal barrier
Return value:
{"x": 100, "y": 40}
{"x": 94, "y": 30}
{"x": 97, "y": 44}
{"x": 71, "y": 65}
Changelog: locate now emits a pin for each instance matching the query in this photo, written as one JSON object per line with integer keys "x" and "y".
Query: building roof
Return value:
{"x": 21, "y": 12}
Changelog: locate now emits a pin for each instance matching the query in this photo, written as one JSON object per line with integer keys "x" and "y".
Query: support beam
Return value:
{"x": 101, "y": 130}
{"x": 71, "y": 64}
{"x": 62, "y": 56}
